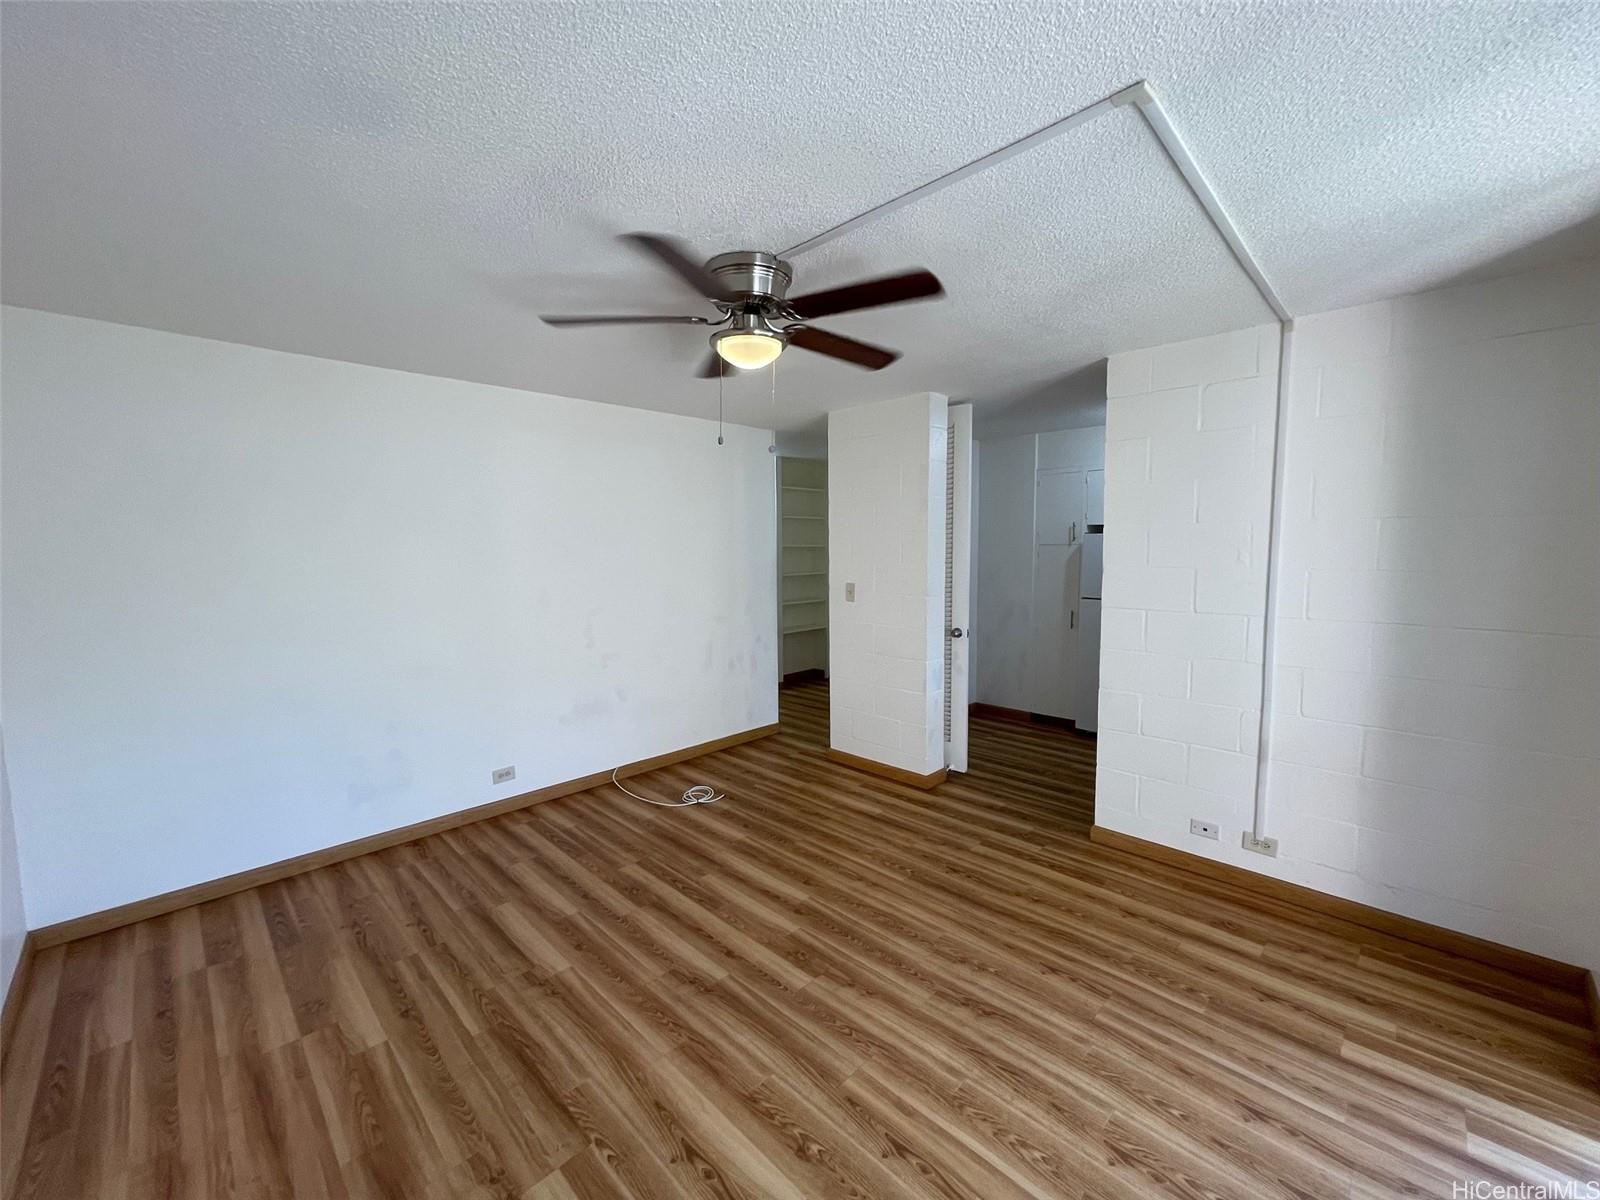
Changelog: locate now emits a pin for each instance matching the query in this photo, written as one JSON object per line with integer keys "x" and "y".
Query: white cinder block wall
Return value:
{"x": 886, "y": 514}
{"x": 1188, "y": 494}
{"x": 1435, "y": 749}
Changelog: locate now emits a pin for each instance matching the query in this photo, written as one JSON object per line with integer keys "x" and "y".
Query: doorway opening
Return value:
{"x": 1038, "y": 557}
{"x": 802, "y": 570}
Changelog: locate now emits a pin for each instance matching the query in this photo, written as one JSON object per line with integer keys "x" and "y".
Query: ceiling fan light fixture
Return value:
{"x": 750, "y": 290}
{"x": 747, "y": 349}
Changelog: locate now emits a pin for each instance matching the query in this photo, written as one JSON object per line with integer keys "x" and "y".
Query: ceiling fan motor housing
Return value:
{"x": 754, "y": 275}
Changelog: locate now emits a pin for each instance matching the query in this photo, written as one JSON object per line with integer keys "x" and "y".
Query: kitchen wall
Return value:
{"x": 1006, "y": 645}
{"x": 1435, "y": 744}
{"x": 1003, "y": 570}
{"x": 886, "y": 517}
{"x": 257, "y": 604}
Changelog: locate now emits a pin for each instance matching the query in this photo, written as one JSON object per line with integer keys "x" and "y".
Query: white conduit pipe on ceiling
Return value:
{"x": 1144, "y": 99}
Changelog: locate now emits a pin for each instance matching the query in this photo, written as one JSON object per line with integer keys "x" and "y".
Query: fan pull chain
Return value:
{"x": 721, "y": 370}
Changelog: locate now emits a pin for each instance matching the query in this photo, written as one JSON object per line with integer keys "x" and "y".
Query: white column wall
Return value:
{"x": 886, "y": 518}
{"x": 1188, "y": 494}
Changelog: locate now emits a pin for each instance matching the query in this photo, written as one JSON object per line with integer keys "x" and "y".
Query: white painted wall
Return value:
{"x": 13, "y": 912}
{"x": 1068, "y": 449}
{"x": 1005, "y": 553}
{"x": 886, "y": 514}
{"x": 1188, "y": 493}
{"x": 257, "y": 604}
{"x": 1435, "y": 749}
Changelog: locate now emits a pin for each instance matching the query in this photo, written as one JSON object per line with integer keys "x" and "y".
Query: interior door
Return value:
{"x": 957, "y": 584}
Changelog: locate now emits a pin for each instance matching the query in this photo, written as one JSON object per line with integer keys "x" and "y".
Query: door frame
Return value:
{"x": 958, "y": 540}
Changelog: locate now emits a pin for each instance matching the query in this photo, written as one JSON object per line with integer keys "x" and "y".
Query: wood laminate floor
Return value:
{"x": 825, "y": 985}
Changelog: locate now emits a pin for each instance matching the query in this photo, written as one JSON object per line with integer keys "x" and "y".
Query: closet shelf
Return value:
{"x": 803, "y": 549}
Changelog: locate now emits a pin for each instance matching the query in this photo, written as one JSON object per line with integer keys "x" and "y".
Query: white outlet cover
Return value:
{"x": 1203, "y": 829}
{"x": 1265, "y": 845}
{"x": 503, "y": 775}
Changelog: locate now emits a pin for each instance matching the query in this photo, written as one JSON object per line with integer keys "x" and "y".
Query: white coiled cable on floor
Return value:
{"x": 700, "y": 793}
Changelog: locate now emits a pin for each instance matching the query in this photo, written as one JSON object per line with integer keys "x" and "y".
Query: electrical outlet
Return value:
{"x": 503, "y": 775}
{"x": 850, "y": 592}
{"x": 1265, "y": 845}
{"x": 1203, "y": 829}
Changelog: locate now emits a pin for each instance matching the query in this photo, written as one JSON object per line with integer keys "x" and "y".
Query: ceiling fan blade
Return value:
{"x": 639, "y": 320}
{"x": 873, "y": 358}
{"x": 711, "y": 368}
{"x": 869, "y": 293}
{"x": 673, "y": 255}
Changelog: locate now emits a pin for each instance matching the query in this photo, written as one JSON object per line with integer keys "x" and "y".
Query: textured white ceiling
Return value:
{"x": 405, "y": 185}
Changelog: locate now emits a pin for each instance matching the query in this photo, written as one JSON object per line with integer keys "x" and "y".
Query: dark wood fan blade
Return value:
{"x": 675, "y": 258}
{"x": 869, "y": 293}
{"x": 639, "y": 320}
{"x": 873, "y": 358}
{"x": 711, "y": 368}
